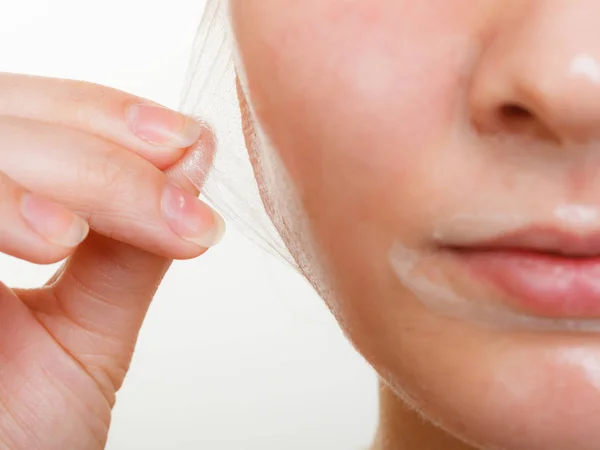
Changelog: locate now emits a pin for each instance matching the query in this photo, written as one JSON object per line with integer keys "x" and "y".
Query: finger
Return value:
{"x": 68, "y": 413}
{"x": 154, "y": 132}
{"x": 191, "y": 171}
{"x": 96, "y": 306}
{"x": 35, "y": 229}
{"x": 120, "y": 195}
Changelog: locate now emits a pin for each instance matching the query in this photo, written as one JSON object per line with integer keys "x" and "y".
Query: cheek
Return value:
{"x": 357, "y": 101}
{"x": 355, "y": 98}
{"x": 355, "y": 95}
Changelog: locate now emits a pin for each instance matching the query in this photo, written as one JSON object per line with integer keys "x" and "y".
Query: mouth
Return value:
{"x": 542, "y": 271}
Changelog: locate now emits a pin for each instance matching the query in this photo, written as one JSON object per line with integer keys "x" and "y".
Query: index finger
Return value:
{"x": 156, "y": 133}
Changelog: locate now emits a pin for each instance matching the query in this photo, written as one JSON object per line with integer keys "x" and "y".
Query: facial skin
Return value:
{"x": 373, "y": 122}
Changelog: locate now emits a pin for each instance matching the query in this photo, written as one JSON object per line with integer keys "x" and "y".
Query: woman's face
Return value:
{"x": 432, "y": 167}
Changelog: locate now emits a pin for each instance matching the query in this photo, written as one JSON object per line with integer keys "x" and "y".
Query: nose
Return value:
{"x": 539, "y": 73}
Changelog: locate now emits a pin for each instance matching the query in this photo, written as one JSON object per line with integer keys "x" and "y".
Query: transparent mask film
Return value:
{"x": 210, "y": 95}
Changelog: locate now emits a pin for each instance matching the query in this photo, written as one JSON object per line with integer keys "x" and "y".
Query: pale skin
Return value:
{"x": 389, "y": 117}
{"x": 96, "y": 176}
{"x": 362, "y": 103}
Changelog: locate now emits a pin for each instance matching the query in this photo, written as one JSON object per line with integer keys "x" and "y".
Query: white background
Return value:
{"x": 237, "y": 352}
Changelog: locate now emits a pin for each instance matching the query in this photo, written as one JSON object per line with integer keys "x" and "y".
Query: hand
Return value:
{"x": 76, "y": 157}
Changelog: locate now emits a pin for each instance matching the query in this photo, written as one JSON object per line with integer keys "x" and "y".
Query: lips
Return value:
{"x": 542, "y": 271}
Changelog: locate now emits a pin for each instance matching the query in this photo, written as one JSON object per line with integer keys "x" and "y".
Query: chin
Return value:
{"x": 495, "y": 389}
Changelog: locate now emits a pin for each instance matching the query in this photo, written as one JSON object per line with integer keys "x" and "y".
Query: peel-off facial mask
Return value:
{"x": 210, "y": 96}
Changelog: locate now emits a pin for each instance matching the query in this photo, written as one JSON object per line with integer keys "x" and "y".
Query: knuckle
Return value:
{"x": 89, "y": 100}
{"x": 85, "y": 92}
{"x": 115, "y": 181}
{"x": 77, "y": 90}
{"x": 101, "y": 172}
{"x": 112, "y": 173}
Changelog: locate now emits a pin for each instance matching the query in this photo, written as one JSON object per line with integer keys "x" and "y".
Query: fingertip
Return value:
{"x": 40, "y": 253}
{"x": 50, "y": 258}
{"x": 53, "y": 222}
{"x": 158, "y": 125}
{"x": 190, "y": 218}
{"x": 191, "y": 171}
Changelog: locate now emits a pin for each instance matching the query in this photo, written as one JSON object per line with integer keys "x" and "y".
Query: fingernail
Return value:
{"x": 161, "y": 126}
{"x": 52, "y": 221}
{"x": 192, "y": 219}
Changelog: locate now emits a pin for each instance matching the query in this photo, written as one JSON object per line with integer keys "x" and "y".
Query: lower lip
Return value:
{"x": 540, "y": 284}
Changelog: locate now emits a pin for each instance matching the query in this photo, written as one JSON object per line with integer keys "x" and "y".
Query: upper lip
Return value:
{"x": 543, "y": 240}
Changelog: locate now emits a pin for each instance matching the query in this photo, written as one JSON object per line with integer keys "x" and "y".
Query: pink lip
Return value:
{"x": 545, "y": 272}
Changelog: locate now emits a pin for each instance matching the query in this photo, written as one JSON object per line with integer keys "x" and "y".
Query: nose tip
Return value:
{"x": 561, "y": 105}
{"x": 534, "y": 78}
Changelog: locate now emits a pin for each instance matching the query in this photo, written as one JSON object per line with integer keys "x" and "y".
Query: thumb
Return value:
{"x": 96, "y": 305}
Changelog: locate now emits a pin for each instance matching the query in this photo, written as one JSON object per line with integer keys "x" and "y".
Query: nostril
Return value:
{"x": 516, "y": 118}
{"x": 515, "y": 113}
